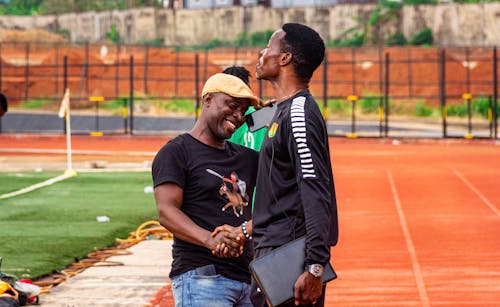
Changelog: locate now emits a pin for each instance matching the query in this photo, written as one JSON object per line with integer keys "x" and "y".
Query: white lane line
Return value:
{"x": 478, "y": 193}
{"x": 409, "y": 244}
{"x": 36, "y": 186}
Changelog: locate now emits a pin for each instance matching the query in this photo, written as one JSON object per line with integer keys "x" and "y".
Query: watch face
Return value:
{"x": 316, "y": 270}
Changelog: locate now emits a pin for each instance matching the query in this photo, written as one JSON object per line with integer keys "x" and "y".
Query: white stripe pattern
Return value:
{"x": 298, "y": 121}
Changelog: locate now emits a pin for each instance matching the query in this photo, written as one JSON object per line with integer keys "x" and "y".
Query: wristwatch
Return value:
{"x": 315, "y": 269}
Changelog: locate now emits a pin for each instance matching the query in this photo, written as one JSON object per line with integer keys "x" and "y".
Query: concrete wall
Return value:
{"x": 451, "y": 24}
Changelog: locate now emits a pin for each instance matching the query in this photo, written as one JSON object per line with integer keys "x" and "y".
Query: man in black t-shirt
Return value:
{"x": 295, "y": 191}
{"x": 201, "y": 182}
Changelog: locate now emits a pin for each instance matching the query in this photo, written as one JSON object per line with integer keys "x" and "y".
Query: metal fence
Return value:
{"x": 370, "y": 92}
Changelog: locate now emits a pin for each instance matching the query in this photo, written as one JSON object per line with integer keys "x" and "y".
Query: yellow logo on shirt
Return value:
{"x": 272, "y": 131}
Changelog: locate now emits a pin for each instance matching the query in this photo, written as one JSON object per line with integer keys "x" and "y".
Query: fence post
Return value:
{"x": 65, "y": 85}
{"x": 125, "y": 115}
{"x": 468, "y": 96}
{"x": 352, "y": 99}
{"x": 442, "y": 89}
{"x": 87, "y": 74}
{"x": 410, "y": 92}
{"x": 490, "y": 115}
{"x": 353, "y": 71}
{"x": 131, "y": 93}
{"x": 495, "y": 92}
{"x": 325, "y": 87}
{"x": 26, "y": 71}
{"x": 117, "y": 72}
{"x": 196, "y": 84}
{"x": 386, "y": 94}
{"x": 205, "y": 64}
{"x": 380, "y": 89}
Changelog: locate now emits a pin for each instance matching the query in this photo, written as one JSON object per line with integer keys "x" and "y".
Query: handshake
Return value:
{"x": 228, "y": 241}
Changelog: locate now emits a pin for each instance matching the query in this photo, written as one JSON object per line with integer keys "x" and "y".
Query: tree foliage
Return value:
{"x": 56, "y": 7}
{"x": 424, "y": 38}
{"x": 20, "y": 7}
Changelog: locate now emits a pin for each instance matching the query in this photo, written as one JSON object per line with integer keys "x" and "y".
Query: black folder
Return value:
{"x": 277, "y": 272}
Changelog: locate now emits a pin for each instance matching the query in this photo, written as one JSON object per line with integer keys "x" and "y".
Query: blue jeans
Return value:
{"x": 194, "y": 290}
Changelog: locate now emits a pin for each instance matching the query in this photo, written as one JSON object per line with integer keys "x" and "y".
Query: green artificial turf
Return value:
{"x": 47, "y": 229}
{"x": 11, "y": 182}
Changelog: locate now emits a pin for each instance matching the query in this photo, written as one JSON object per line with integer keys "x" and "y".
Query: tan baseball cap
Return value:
{"x": 229, "y": 85}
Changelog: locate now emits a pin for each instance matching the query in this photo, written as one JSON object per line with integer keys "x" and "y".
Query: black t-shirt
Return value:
{"x": 208, "y": 176}
{"x": 295, "y": 190}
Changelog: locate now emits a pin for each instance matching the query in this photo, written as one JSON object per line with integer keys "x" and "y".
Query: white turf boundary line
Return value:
{"x": 417, "y": 272}
{"x": 37, "y": 186}
{"x": 478, "y": 193}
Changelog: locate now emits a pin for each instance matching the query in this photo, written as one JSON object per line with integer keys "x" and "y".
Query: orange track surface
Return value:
{"x": 419, "y": 220}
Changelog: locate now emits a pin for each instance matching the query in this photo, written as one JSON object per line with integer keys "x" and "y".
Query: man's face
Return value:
{"x": 268, "y": 65}
{"x": 226, "y": 114}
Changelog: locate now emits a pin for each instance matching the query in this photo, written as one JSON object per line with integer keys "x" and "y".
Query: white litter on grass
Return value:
{"x": 148, "y": 189}
{"x": 38, "y": 170}
{"x": 102, "y": 219}
{"x": 37, "y": 186}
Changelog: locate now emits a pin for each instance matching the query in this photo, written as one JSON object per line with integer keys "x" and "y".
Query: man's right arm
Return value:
{"x": 168, "y": 198}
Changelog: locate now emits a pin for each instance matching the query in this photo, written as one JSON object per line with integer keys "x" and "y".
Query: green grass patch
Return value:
{"x": 15, "y": 181}
{"x": 369, "y": 104}
{"x": 35, "y": 103}
{"x": 113, "y": 104}
{"x": 179, "y": 105}
{"x": 422, "y": 110}
{"x": 47, "y": 229}
{"x": 337, "y": 106}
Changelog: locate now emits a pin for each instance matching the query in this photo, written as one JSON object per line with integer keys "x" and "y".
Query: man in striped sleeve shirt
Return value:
{"x": 295, "y": 191}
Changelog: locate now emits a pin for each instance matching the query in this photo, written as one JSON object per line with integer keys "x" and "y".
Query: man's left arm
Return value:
{"x": 309, "y": 153}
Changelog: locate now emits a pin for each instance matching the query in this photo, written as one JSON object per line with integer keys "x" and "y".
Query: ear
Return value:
{"x": 286, "y": 57}
{"x": 207, "y": 100}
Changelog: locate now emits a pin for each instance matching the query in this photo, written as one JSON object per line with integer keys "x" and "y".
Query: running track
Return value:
{"x": 419, "y": 219}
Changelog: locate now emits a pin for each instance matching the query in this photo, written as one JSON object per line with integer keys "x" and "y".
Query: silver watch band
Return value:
{"x": 315, "y": 269}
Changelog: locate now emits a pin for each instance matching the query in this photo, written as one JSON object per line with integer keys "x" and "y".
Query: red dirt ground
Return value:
{"x": 419, "y": 219}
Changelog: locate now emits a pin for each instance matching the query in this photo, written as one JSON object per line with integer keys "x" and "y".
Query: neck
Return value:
{"x": 203, "y": 134}
{"x": 285, "y": 89}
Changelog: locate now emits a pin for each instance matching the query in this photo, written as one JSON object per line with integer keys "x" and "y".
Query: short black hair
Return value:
{"x": 306, "y": 46}
{"x": 3, "y": 102}
{"x": 240, "y": 72}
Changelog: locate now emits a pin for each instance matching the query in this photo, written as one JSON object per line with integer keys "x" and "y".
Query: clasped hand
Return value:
{"x": 230, "y": 241}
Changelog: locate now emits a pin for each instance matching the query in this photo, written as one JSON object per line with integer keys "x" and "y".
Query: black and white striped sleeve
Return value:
{"x": 299, "y": 131}
{"x": 308, "y": 148}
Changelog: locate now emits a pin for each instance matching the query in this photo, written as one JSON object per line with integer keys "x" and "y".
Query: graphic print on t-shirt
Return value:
{"x": 234, "y": 191}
